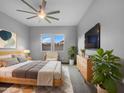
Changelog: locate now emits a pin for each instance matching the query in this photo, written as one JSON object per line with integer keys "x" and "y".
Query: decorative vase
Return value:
{"x": 101, "y": 90}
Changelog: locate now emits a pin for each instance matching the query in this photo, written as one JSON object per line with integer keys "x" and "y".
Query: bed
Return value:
{"x": 36, "y": 73}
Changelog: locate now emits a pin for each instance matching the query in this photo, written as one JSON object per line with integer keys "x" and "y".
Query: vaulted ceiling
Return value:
{"x": 71, "y": 11}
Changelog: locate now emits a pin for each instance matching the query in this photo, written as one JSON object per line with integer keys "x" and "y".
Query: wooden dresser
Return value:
{"x": 85, "y": 67}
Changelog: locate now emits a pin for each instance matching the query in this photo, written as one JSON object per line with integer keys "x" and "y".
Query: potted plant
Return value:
{"x": 72, "y": 51}
{"x": 106, "y": 71}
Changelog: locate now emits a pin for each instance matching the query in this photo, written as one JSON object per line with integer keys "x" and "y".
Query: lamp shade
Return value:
{"x": 26, "y": 51}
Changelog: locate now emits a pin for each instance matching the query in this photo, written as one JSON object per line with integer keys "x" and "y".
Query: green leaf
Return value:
{"x": 100, "y": 51}
{"x": 97, "y": 78}
{"x": 110, "y": 85}
{"x": 116, "y": 73}
{"x": 116, "y": 65}
{"x": 96, "y": 58}
{"x": 109, "y": 52}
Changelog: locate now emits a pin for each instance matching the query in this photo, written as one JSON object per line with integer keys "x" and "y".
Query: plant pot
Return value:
{"x": 71, "y": 61}
{"x": 101, "y": 90}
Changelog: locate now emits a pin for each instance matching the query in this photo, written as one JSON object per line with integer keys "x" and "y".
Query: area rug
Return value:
{"x": 65, "y": 88}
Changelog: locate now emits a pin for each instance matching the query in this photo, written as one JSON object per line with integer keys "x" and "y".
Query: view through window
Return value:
{"x": 52, "y": 42}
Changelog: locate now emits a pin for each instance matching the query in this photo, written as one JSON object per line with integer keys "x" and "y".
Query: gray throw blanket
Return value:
{"x": 29, "y": 71}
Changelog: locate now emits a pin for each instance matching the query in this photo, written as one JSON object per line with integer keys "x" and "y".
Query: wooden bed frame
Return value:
{"x": 23, "y": 81}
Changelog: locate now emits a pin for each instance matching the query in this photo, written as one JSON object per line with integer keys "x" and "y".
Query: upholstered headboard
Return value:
{"x": 11, "y": 52}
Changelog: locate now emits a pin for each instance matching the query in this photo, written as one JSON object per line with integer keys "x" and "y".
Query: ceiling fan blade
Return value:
{"x": 26, "y": 11}
{"x": 52, "y": 17}
{"x": 29, "y": 5}
{"x": 31, "y": 17}
{"x": 53, "y": 12}
{"x": 47, "y": 20}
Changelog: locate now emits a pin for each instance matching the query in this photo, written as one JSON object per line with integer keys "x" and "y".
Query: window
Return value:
{"x": 52, "y": 42}
{"x": 58, "y": 42}
{"x": 46, "y": 42}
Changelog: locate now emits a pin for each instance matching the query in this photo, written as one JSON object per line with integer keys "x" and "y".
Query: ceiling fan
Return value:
{"x": 41, "y": 13}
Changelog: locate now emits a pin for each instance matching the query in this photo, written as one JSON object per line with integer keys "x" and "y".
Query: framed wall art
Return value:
{"x": 7, "y": 39}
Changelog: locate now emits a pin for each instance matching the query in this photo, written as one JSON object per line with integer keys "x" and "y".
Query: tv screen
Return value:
{"x": 92, "y": 37}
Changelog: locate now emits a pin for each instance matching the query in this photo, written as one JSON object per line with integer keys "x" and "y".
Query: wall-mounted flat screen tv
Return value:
{"x": 92, "y": 37}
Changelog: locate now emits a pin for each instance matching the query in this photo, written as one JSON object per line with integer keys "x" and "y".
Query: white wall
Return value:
{"x": 10, "y": 24}
{"x": 70, "y": 39}
{"x": 110, "y": 13}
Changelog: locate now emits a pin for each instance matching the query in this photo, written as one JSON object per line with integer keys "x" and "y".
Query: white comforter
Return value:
{"x": 46, "y": 74}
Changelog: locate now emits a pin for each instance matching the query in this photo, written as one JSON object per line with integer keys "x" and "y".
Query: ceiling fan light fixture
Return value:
{"x": 42, "y": 14}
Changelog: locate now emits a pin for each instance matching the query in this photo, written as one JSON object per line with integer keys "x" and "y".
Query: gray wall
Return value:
{"x": 70, "y": 39}
{"x": 10, "y": 24}
{"x": 110, "y": 13}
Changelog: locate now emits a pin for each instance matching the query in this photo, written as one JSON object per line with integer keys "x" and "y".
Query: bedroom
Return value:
{"x": 85, "y": 15}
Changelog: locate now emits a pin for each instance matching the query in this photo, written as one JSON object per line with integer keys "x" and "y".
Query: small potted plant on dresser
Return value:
{"x": 72, "y": 51}
{"x": 106, "y": 71}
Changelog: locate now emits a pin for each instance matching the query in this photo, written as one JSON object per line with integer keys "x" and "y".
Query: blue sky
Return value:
{"x": 47, "y": 38}
{"x": 59, "y": 38}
